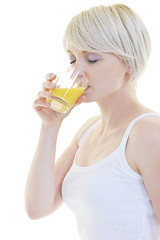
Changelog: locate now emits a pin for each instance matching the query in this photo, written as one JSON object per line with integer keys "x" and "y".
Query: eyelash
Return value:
{"x": 73, "y": 62}
{"x": 92, "y": 61}
{"x": 89, "y": 61}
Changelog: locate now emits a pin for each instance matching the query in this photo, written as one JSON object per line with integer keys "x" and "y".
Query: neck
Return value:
{"x": 119, "y": 109}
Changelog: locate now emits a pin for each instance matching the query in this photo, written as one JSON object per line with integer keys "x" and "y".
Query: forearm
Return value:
{"x": 40, "y": 187}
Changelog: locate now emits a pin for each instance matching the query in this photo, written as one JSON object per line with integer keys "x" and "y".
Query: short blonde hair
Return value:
{"x": 116, "y": 29}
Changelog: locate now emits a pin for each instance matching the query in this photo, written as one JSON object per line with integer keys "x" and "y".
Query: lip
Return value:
{"x": 86, "y": 89}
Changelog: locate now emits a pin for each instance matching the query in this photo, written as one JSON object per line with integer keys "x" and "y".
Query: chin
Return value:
{"x": 89, "y": 99}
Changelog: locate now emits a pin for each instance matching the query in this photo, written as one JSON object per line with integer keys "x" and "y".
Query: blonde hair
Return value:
{"x": 111, "y": 29}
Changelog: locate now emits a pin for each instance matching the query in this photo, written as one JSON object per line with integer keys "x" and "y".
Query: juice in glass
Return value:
{"x": 63, "y": 98}
{"x": 70, "y": 84}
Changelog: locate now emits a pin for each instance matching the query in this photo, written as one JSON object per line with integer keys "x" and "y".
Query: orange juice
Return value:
{"x": 63, "y": 98}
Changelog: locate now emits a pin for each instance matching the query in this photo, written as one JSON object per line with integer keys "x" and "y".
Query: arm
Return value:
{"x": 42, "y": 187}
{"x": 145, "y": 138}
{"x": 150, "y": 170}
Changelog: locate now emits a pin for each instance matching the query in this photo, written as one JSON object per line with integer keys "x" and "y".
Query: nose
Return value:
{"x": 79, "y": 73}
{"x": 79, "y": 69}
{"x": 79, "y": 76}
{"x": 78, "y": 66}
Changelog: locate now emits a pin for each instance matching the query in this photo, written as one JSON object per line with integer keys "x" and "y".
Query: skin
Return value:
{"x": 108, "y": 86}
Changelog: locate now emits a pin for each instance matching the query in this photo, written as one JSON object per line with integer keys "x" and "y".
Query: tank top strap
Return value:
{"x": 130, "y": 126}
{"x": 88, "y": 131}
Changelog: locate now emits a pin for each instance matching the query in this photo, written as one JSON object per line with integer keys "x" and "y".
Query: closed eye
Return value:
{"x": 89, "y": 61}
{"x": 72, "y": 61}
{"x": 92, "y": 61}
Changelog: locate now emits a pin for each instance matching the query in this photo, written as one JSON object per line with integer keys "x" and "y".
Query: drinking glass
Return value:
{"x": 70, "y": 84}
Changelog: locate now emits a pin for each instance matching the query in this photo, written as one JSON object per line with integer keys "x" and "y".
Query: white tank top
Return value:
{"x": 108, "y": 198}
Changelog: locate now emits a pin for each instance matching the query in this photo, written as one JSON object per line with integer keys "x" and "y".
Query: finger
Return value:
{"x": 80, "y": 100}
{"x": 39, "y": 103}
{"x": 50, "y": 76}
{"x": 49, "y": 85}
{"x": 44, "y": 94}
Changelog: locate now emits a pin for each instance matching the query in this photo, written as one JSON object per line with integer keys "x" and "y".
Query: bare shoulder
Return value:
{"x": 85, "y": 126}
{"x": 145, "y": 141}
{"x": 147, "y": 130}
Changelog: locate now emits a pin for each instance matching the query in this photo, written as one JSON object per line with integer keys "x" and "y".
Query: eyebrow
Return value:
{"x": 71, "y": 51}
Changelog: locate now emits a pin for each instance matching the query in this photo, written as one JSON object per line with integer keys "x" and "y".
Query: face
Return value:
{"x": 106, "y": 72}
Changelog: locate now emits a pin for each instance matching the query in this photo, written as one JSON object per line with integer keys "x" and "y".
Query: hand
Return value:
{"x": 48, "y": 115}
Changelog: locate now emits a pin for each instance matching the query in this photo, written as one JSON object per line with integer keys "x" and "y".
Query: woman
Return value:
{"x": 110, "y": 173}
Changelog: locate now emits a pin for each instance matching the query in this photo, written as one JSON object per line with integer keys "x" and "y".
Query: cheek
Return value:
{"x": 108, "y": 72}
{"x": 113, "y": 73}
{"x": 108, "y": 79}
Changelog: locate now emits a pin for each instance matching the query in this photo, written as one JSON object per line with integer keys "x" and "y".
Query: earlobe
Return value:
{"x": 127, "y": 76}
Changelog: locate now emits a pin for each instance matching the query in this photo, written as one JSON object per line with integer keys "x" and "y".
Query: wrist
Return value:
{"x": 55, "y": 124}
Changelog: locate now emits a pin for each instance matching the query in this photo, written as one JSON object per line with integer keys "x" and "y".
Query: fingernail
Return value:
{"x": 50, "y": 75}
{"x": 52, "y": 86}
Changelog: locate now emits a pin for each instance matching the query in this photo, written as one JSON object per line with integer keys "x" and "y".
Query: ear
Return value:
{"x": 127, "y": 74}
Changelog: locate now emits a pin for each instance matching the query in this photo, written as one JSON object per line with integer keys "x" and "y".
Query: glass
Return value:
{"x": 70, "y": 84}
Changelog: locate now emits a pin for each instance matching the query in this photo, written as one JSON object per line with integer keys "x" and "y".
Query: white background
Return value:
{"x": 31, "y": 46}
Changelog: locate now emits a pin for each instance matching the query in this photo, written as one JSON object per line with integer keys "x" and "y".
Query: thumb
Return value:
{"x": 80, "y": 100}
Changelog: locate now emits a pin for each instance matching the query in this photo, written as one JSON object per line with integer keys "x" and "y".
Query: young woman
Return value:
{"x": 110, "y": 173}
